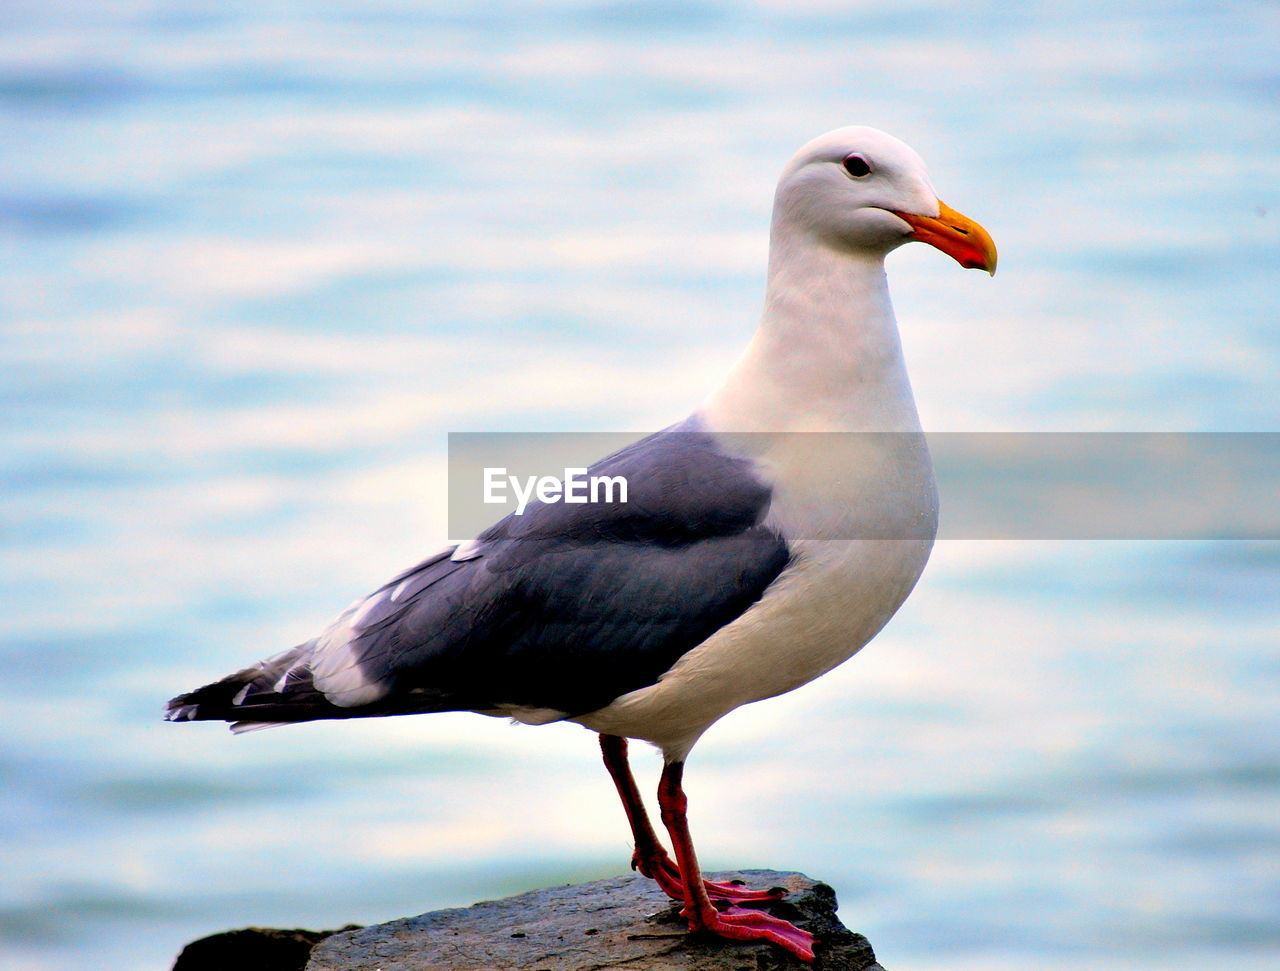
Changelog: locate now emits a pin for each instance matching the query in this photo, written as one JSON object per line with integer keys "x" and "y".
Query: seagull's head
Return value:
{"x": 860, "y": 190}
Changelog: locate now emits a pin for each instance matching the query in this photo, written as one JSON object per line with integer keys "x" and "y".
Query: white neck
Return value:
{"x": 826, "y": 356}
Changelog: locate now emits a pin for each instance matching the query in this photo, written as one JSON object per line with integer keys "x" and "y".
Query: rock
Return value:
{"x": 252, "y": 949}
{"x": 624, "y": 922}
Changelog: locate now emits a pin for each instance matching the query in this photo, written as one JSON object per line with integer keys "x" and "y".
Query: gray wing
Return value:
{"x": 566, "y": 607}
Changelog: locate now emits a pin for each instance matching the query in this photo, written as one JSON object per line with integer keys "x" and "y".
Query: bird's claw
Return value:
{"x": 733, "y": 890}
{"x": 664, "y": 870}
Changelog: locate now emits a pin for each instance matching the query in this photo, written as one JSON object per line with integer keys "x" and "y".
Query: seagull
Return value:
{"x": 765, "y": 539}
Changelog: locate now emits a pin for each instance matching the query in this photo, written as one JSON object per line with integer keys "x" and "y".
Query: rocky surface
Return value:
{"x": 252, "y": 949}
{"x": 623, "y": 922}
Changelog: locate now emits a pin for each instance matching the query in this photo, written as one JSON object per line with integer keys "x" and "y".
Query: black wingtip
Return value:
{"x": 212, "y": 702}
{"x": 176, "y": 712}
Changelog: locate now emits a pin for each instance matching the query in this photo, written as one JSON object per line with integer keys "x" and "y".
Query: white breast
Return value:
{"x": 833, "y": 495}
{"x": 821, "y": 611}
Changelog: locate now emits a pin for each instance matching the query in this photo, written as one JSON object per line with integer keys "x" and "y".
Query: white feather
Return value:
{"x": 336, "y": 671}
{"x": 470, "y": 550}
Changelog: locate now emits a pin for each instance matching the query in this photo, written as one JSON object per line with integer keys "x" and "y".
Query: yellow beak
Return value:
{"x": 955, "y": 234}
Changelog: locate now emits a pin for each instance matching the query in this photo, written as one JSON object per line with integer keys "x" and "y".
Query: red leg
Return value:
{"x": 650, "y": 858}
{"x": 735, "y": 923}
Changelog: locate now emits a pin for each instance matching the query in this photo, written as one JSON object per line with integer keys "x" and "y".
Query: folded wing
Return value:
{"x": 560, "y": 610}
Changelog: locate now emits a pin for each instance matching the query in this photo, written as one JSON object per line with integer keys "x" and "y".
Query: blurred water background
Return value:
{"x": 258, "y": 258}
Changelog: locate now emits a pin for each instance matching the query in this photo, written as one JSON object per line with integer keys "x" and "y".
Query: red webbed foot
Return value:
{"x": 741, "y": 924}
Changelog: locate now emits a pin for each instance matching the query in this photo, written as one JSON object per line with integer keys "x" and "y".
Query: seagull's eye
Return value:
{"x": 856, "y": 165}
